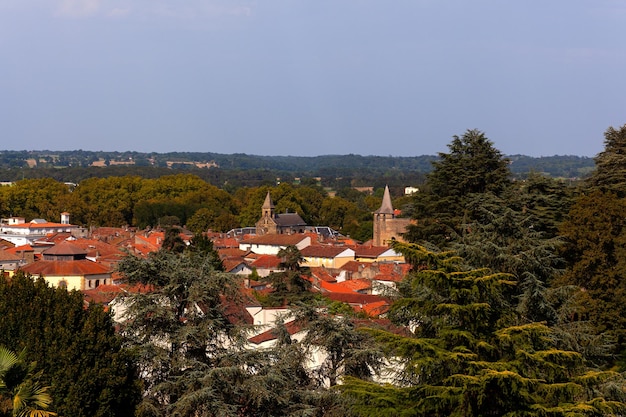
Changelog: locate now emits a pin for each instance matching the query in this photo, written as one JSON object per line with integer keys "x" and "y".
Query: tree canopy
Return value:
{"x": 471, "y": 354}
{"x": 81, "y": 356}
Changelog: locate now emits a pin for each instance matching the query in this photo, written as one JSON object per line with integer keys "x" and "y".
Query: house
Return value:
{"x": 360, "y": 285}
{"x": 272, "y": 223}
{"x": 18, "y": 232}
{"x": 327, "y": 255}
{"x": 269, "y": 337}
{"x": 271, "y": 244}
{"x": 9, "y": 261}
{"x": 236, "y": 266}
{"x": 26, "y": 253}
{"x": 363, "y": 253}
{"x": 66, "y": 266}
{"x": 264, "y": 265}
{"x": 387, "y": 275}
{"x": 371, "y": 305}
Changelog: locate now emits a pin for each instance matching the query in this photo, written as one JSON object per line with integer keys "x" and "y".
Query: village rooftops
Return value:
{"x": 277, "y": 240}
{"x": 373, "y": 252}
{"x": 272, "y": 244}
{"x": 326, "y": 251}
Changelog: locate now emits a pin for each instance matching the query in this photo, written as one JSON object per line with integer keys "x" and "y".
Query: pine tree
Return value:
{"x": 503, "y": 237}
{"x": 347, "y": 351}
{"x": 192, "y": 347}
{"x": 595, "y": 233}
{"x": 610, "y": 173}
{"x": 84, "y": 363}
{"x": 473, "y": 166}
{"x": 469, "y": 356}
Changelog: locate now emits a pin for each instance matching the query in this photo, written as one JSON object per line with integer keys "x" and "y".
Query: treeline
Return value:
{"x": 253, "y": 170}
{"x": 185, "y": 200}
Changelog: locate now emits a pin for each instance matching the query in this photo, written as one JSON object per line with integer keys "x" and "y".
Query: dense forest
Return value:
{"x": 253, "y": 170}
{"x": 515, "y": 304}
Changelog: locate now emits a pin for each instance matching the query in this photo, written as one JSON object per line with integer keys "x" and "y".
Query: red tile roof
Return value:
{"x": 231, "y": 252}
{"x": 6, "y": 255}
{"x": 55, "y": 237}
{"x": 354, "y": 266}
{"x": 271, "y": 334}
{"x": 20, "y": 249}
{"x": 153, "y": 240}
{"x": 369, "y": 251}
{"x": 101, "y": 250}
{"x": 65, "y": 248}
{"x": 5, "y": 244}
{"x": 355, "y": 298}
{"x": 322, "y": 273}
{"x": 80, "y": 267}
{"x": 372, "y": 305}
{"x": 348, "y": 286}
{"x": 227, "y": 242}
{"x": 323, "y": 251}
{"x": 103, "y": 294}
{"x": 266, "y": 261}
{"x": 232, "y": 263}
{"x": 276, "y": 240}
{"x": 376, "y": 309}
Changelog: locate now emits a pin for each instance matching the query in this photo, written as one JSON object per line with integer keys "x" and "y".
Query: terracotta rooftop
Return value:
{"x": 5, "y": 244}
{"x": 354, "y": 266}
{"x": 271, "y": 334}
{"x": 391, "y": 271}
{"x": 20, "y": 249}
{"x": 65, "y": 248}
{"x": 227, "y": 242}
{"x": 6, "y": 255}
{"x": 231, "y": 252}
{"x": 55, "y": 238}
{"x": 65, "y": 268}
{"x": 376, "y": 309}
{"x": 348, "y": 286}
{"x": 232, "y": 263}
{"x": 95, "y": 247}
{"x": 103, "y": 294}
{"x": 325, "y": 251}
{"x": 322, "y": 274}
{"x": 362, "y": 251}
{"x": 355, "y": 298}
{"x": 266, "y": 261}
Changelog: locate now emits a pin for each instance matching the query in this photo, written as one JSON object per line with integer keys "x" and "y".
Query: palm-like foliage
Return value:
{"x": 21, "y": 395}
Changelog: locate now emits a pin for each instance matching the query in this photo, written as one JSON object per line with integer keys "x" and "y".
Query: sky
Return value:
{"x": 309, "y": 78}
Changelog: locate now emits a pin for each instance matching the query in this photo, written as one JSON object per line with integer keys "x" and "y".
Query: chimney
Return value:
{"x": 65, "y": 218}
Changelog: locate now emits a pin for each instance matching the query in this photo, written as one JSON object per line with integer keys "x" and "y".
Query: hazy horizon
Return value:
{"x": 294, "y": 77}
{"x": 273, "y": 156}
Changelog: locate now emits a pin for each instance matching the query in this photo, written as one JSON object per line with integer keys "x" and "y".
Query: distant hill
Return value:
{"x": 80, "y": 164}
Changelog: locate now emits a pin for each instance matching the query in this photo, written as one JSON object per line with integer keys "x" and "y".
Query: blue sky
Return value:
{"x": 316, "y": 77}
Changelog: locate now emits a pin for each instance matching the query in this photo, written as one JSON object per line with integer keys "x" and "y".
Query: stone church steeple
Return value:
{"x": 386, "y": 226}
{"x": 268, "y": 207}
{"x": 386, "y": 207}
{"x": 271, "y": 223}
